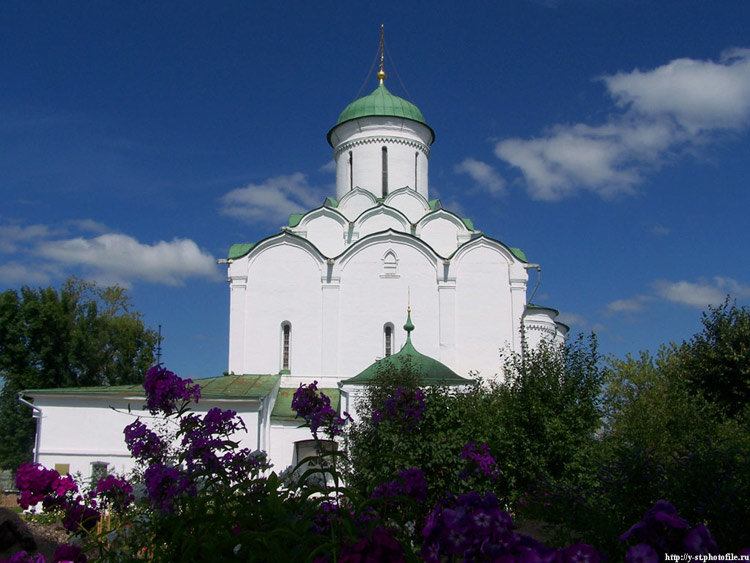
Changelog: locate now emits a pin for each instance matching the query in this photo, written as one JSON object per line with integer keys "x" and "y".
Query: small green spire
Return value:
{"x": 409, "y": 326}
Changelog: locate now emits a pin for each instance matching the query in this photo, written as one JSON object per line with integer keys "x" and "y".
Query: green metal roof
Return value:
{"x": 239, "y": 249}
{"x": 224, "y": 387}
{"x": 518, "y": 253}
{"x": 532, "y": 306}
{"x": 295, "y": 218}
{"x": 331, "y": 202}
{"x": 431, "y": 371}
{"x": 282, "y": 407}
{"x": 468, "y": 222}
{"x": 381, "y": 103}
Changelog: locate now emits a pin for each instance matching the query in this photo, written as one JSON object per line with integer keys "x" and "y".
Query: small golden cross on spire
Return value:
{"x": 381, "y": 72}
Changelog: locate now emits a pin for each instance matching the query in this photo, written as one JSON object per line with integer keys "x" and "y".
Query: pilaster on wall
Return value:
{"x": 518, "y": 306}
{"x": 330, "y": 325}
{"x": 237, "y": 306}
{"x": 447, "y": 319}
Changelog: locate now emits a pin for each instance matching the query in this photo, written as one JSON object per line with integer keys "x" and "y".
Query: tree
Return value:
{"x": 550, "y": 411}
{"x": 81, "y": 335}
{"x": 716, "y": 361}
{"x": 539, "y": 424}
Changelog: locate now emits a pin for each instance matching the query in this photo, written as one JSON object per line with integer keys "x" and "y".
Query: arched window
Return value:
{"x": 286, "y": 337}
{"x": 385, "y": 171}
{"x": 388, "y": 338}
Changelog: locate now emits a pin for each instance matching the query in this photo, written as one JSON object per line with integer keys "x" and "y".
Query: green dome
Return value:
{"x": 431, "y": 371}
{"x": 381, "y": 103}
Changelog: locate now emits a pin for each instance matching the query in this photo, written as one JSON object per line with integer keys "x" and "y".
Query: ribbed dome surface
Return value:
{"x": 381, "y": 102}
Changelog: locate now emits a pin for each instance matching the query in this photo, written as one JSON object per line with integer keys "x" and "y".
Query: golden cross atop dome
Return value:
{"x": 381, "y": 72}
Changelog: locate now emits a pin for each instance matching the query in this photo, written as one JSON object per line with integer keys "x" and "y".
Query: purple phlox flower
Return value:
{"x": 410, "y": 483}
{"x": 164, "y": 484}
{"x": 34, "y": 482}
{"x": 238, "y": 464}
{"x": 406, "y": 405}
{"x": 315, "y": 408}
{"x": 479, "y": 462}
{"x": 79, "y": 516}
{"x": 641, "y": 553}
{"x": 143, "y": 443}
{"x": 165, "y": 390}
{"x": 23, "y": 557}
{"x": 700, "y": 541}
{"x": 327, "y": 514}
{"x": 204, "y": 438}
{"x": 114, "y": 492}
{"x": 474, "y": 527}
{"x": 377, "y": 545}
{"x": 661, "y": 528}
{"x": 69, "y": 553}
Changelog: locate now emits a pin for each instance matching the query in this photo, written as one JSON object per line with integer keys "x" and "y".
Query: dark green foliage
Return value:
{"x": 549, "y": 410}
{"x": 539, "y": 425}
{"x": 81, "y": 335}
{"x": 669, "y": 434}
{"x": 377, "y": 451}
{"x": 716, "y": 361}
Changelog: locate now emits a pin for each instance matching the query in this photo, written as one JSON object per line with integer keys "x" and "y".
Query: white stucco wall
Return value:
{"x": 80, "y": 430}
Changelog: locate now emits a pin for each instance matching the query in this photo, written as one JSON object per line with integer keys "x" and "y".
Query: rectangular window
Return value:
{"x": 98, "y": 471}
{"x": 62, "y": 468}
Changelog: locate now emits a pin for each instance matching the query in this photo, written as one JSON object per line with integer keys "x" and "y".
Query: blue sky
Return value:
{"x": 607, "y": 139}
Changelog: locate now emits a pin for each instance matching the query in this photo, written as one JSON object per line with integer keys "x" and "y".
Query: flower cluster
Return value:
{"x": 315, "y": 408}
{"x": 479, "y": 462}
{"x": 377, "y": 545}
{"x": 164, "y": 484}
{"x": 406, "y": 405}
{"x": 662, "y": 531}
{"x": 144, "y": 444}
{"x": 203, "y": 438}
{"x": 64, "y": 553}
{"x": 164, "y": 390}
{"x": 114, "y": 493}
{"x": 474, "y": 527}
{"x": 37, "y": 484}
{"x": 410, "y": 483}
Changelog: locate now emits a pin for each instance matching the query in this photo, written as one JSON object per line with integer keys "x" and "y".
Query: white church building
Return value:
{"x": 326, "y": 297}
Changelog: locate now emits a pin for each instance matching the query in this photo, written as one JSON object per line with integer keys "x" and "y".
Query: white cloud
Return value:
{"x": 18, "y": 273}
{"x": 483, "y": 174}
{"x": 663, "y": 110}
{"x": 329, "y": 166}
{"x": 702, "y": 293}
{"x": 116, "y": 258}
{"x": 572, "y": 319}
{"x": 273, "y": 200}
{"x": 89, "y": 225}
{"x": 637, "y": 303}
{"x": 12, "y": 236}
{"x": 698, "y": 95}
